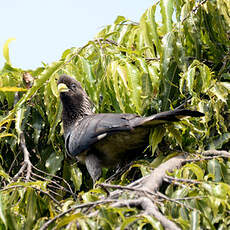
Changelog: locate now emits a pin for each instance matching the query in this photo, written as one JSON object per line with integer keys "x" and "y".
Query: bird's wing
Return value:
{"x": 93, "y": 128}
{"x": 169, "y": 116}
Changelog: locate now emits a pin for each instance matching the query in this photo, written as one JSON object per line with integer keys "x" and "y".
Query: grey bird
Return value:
{"x": 106, "y": 139}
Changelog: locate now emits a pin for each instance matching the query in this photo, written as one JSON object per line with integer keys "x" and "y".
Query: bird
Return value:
{"x": 105, "y": 140}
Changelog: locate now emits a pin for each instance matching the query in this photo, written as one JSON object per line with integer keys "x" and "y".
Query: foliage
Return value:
{"x": 142, "y": 68}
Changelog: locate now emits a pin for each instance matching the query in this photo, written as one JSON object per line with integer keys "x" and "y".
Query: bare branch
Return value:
{"x": 27, "y": 165}
{"x": 57, "y": 186}
{"x": 134, "y": 189}
{"x": 183, "y": 180}
{"x": 153, "y": 182}
{"x": 146, "y": 191}
{"x": 150, "y": 209}
{"x": 214, "y": 152}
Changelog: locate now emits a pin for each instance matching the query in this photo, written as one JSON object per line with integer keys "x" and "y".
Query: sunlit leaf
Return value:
{"x": 12, "y": 89}
{"x": 2, "y": 212}
{"x": 6, "y": 49}
{"x": 66, "y": 220}
{"x": 167, "y": 11}
{"x": 195, "y": 220}
{"x": 7, "y": 135}
{"x": 196, "y": 170}
{"x": 76, "y": 177}
{"x": 215, "y": 169}
{"x": 155, "y": 138}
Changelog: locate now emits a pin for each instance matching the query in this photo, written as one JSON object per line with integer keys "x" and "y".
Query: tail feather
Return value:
{"x": 170, "y": 116}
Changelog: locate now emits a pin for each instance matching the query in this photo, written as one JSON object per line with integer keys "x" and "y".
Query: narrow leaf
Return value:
{"x": 12, "y": 89}
{"x": 6, "y": 49}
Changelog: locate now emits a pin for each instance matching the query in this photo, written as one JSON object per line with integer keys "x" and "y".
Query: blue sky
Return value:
{"x": 45, "y": 28}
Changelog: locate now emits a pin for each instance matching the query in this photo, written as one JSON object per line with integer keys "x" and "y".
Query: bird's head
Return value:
{"x": 69, "y": 88}
{"x": 75, "y": 101}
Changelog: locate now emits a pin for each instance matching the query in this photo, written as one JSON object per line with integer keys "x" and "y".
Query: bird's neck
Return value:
{"x": 73, "y": 112}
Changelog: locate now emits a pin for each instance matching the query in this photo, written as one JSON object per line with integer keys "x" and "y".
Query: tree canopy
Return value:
{"x": 142, "y": 67}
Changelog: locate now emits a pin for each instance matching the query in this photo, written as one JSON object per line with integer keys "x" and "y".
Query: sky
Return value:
{"x": 45, "y": 28}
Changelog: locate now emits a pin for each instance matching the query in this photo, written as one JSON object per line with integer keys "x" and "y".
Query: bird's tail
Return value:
{"x": 170, "y": 116}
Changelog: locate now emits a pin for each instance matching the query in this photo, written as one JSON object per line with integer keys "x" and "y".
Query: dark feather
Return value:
{"x": 104, "y": 140}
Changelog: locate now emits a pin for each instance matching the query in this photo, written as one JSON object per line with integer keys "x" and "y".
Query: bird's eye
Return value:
{"x": 73, "y": 86}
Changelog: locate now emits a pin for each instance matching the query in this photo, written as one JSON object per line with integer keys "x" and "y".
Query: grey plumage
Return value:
{"x": 104, "y": 140}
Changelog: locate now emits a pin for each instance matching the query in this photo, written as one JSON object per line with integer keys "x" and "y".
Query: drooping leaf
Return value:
{"x": 6, "y": 49}
{"x": 76, "y": 177}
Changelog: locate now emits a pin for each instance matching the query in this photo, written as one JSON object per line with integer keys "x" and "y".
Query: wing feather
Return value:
{"x": 93, "y": 128}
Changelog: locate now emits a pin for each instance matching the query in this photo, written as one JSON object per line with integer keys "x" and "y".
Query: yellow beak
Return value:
{"x": 62, "y": 88}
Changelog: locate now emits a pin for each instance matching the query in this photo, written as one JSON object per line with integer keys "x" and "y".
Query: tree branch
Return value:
{"x": 155, "y": 179}
{"x": 150, "y": 209}
{"x": 145, "y": 191}
{"x": 27, "y": 165}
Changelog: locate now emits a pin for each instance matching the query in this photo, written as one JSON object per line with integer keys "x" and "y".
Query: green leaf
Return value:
{"x": 119, "y": 19}
{"x": 195, "y": 220}
{"x": 190, "y": 79}
{"x": 127, "y": 222}
{"x": 4, "y": 175}
{"x": 215, "y": 169}
{"x": 7, "y": 135}
{"x": 68, "y": 219}
{"x": 31, "y": 208}
{"x": 166, "y": 12}
{"x": 6, "y": 49}
{"x": 154, "y": 223}
{"x": 133, "y": 77}
{"x": 155, "y": 138}
{"x": 37, "y": 125}
{"x": 220, "y": 92}
{"x": 168, "y": 69}
{"x": 218, "y": 141}
{"x": 53, "y": 163}
{"x": 2, "y": 211}
{"x": 18, "y": 124}
{"x": 12, "y": 89}
{"x": 149, "y": 32}
{"x": 112, "y": 73}
{"x": 196, "y": 170}
{"x": 76, "y": 177}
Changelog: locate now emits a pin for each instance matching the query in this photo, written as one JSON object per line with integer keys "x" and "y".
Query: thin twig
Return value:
{"x": 127, "y": 188}
{"x": 191, "y": 198}
{"x": 26, "y": 163}
{"x": 152, "y": 59}
{"x": 25, "y": 187}
{"x": 221, "y": 153}
{"x": 174, "y": 182}
{"x": 195, "y": 9}
{"x": 170, "y": 178}
{"x": 174, "y": 200}
{"x": 54, "y": 176}
{"x": 53, "y": 182}
{"x": 13, "y": 162}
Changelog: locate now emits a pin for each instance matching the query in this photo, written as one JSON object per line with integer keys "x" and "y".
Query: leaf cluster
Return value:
{"x": 146, "y": 67}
